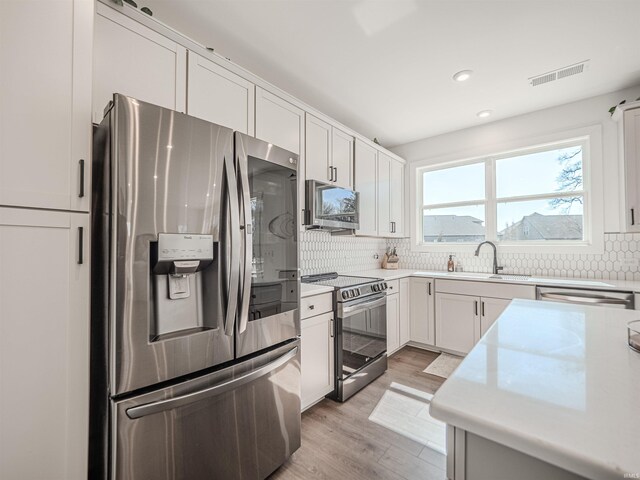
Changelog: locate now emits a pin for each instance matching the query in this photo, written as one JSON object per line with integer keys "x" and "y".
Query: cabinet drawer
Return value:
{"x": 393, "y": 286}
{"x": 486, "y": 289}
{"x": 315, "y": 305}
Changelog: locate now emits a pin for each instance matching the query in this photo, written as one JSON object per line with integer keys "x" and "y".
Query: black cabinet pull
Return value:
{"x": 633, "y": 217}
{"x": 483, "y": 309}
{"x": 429, "y": 288}
{"x": 336, "y": 170}
{"x": 81, "y": 189}
{"x": 475, "y": 305}
{"x": 80, "y": 245}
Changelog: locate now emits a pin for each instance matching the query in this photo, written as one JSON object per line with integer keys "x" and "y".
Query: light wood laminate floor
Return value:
{"x": 339, "y": 441}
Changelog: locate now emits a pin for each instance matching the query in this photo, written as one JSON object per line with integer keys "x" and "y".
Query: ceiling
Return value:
{"x": 385, "y": 67}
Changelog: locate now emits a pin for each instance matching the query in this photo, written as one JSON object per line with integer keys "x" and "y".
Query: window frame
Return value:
{"x": 592, "y": 191}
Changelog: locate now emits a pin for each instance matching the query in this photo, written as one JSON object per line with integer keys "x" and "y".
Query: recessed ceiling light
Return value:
{"x": 484, "y": 113}
{"x": 462, "y": 75}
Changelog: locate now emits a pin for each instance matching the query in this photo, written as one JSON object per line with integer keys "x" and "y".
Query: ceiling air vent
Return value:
{"x": 558, "y": 74}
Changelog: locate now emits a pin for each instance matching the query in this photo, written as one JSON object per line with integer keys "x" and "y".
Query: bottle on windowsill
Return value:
{"x": 450, "y": 264}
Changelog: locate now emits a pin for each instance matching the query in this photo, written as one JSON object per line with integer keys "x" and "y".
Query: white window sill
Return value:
{"x": 593, "y": 248}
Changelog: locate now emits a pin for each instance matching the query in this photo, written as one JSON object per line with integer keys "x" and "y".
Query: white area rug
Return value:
{"x": 405, "y": 410}
{"x": 443, "y": 366}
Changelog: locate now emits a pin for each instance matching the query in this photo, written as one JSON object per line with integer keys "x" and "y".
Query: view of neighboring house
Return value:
{"x": 465, "y": 228}
{"x": 544, "y": 227}
{"x": 453, "y": 228}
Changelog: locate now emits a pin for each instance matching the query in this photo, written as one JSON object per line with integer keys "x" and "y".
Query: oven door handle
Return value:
{"x": 365, "y": 305}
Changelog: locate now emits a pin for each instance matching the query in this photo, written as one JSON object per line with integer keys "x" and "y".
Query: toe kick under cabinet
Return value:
{"x": 317, "y": 351}
{"x": 465, "y": 310}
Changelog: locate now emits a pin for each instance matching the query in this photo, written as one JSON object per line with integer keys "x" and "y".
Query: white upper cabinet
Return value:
{"x": 396, "y": 189}
{"x": 366, "y": 183}
{"x": 630, "y": 144}
{"x": 219, "y": 96}
{"x": 384, "y": 205}
{"x": 318, "y": 150}
{"x": 45, "y": 103}
{"x": 279, "y": 122}
{"x": 44, "y": 344}
{"x": 329, "y": 155}
{"x": 342, "y": 158}
{"x": 134, "y": 60}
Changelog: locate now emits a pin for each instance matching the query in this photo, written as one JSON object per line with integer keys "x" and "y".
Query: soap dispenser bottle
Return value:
{"x": 450, "y": 264}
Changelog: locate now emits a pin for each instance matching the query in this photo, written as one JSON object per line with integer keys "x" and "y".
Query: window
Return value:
{"x": 533, "y": 196}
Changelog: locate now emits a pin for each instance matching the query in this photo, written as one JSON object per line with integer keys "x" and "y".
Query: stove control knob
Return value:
{"x": 384, "y": 285}
{"x": 357, "y": 291}
{"x": 345, "y": 295}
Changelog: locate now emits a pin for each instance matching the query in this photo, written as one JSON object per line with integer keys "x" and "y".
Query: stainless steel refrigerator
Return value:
{"x": 195, "y": 362}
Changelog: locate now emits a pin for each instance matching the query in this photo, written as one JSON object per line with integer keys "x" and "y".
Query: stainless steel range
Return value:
{"x": 360, "y": 305}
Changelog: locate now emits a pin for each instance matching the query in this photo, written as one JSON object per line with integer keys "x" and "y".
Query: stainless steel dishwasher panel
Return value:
{"x": 241, "y": 422}
{"x": 579, "y": 296}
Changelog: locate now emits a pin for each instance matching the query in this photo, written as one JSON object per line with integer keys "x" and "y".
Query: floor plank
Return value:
{"x": 339, "y": 440}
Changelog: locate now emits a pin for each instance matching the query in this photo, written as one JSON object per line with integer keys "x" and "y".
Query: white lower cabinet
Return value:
{"x": 421, "y": 310}
{"x": 44, "y": 344}
{"x": 317, "y": 350}
{"x": 393, "y": 323}
{"x": 490, "y": 310}
{"x": 405, "y": 308}
{"x": 457, "y": 322}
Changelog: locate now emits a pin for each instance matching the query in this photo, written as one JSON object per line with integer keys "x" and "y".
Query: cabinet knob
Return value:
{"x": 311, "y": 307}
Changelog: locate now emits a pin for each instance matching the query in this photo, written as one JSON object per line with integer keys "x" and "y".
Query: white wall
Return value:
{"x": 486, "y": 138}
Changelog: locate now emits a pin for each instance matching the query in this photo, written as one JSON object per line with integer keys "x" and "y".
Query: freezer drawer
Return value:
{"x": 241, "y": 422}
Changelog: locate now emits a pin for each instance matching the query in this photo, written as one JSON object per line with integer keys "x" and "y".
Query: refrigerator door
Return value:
{"x": 241, "y": 422}
{"x": 174, "y": 265}
{"x": 270, "y": 285}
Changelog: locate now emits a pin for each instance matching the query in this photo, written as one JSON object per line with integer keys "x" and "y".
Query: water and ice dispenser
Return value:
{"x": 179, "y": 264}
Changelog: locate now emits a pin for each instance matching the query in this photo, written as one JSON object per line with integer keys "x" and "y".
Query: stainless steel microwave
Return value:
{"x": 331, "y": 207}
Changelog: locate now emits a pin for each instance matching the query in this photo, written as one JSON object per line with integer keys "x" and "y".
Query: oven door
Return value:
{"x": 362, "y": 334}
{"x": 241, "y": 422}
{"x": 270, "y": 284}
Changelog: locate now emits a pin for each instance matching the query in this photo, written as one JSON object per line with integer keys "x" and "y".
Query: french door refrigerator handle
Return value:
{"x": 226, "y": 386}
{"x": 234, "y": 274}
{"x": 247, "y": 239}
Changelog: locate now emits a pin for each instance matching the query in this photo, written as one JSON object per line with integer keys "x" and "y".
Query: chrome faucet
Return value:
{"x": 496, "y": 268}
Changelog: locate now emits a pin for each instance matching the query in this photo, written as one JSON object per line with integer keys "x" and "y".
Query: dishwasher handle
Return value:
{"x": 583, "y": 298}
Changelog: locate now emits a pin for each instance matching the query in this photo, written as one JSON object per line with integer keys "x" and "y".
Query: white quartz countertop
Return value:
{"x": 593, "y": 284}
{"x": 555, "y": 381}
{"x": 309, "y": 289}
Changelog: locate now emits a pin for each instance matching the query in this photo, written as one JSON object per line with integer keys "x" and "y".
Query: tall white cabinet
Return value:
{"x": 329, "y": 153}
{"x": 628, "y": 117}
{"x": 44, "y": 344}
{"x": 390, "y": 196}
{"x": 366, "y": 184}
{"x": 45, "y": 92}
{"x": 133, "y": 60}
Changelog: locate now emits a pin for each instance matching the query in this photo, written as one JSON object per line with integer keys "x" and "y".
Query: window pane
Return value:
{"x": 458, "y": 224}
{"x": 536, "y": 220}
{"x": 455, "y": 184}
{"x": 557, "y": 170}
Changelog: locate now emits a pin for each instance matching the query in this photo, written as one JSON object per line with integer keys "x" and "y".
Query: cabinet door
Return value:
{"x": 316, "y": 358}
{"x": 366, "y": 184}
{"x": 219, "y": 96}
{"x": 281, "y": 123}
{"x": 631, "y": 134}
{"x": 490, "y": 310}
{"x": 45, "y": 103}
{"x": 44, "y": 344}
{"x": 421, "y": 312}
{"x": 405, "y": 305}
{"x": 457, "y": 321}
{"x": 133, "y": 60}
{"x": 342, "y": 158}
{"x": 318, "y": 149}
{"x": 384, "y": 179}
{"x": 396, "y": 197}
{"x": 393, "y": 323}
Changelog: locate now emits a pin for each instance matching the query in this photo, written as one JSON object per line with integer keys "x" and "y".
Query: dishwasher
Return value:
{"x": 602, "y": 298}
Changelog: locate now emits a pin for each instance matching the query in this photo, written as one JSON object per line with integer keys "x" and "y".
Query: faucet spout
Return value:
{"x": 496, "y": 268}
